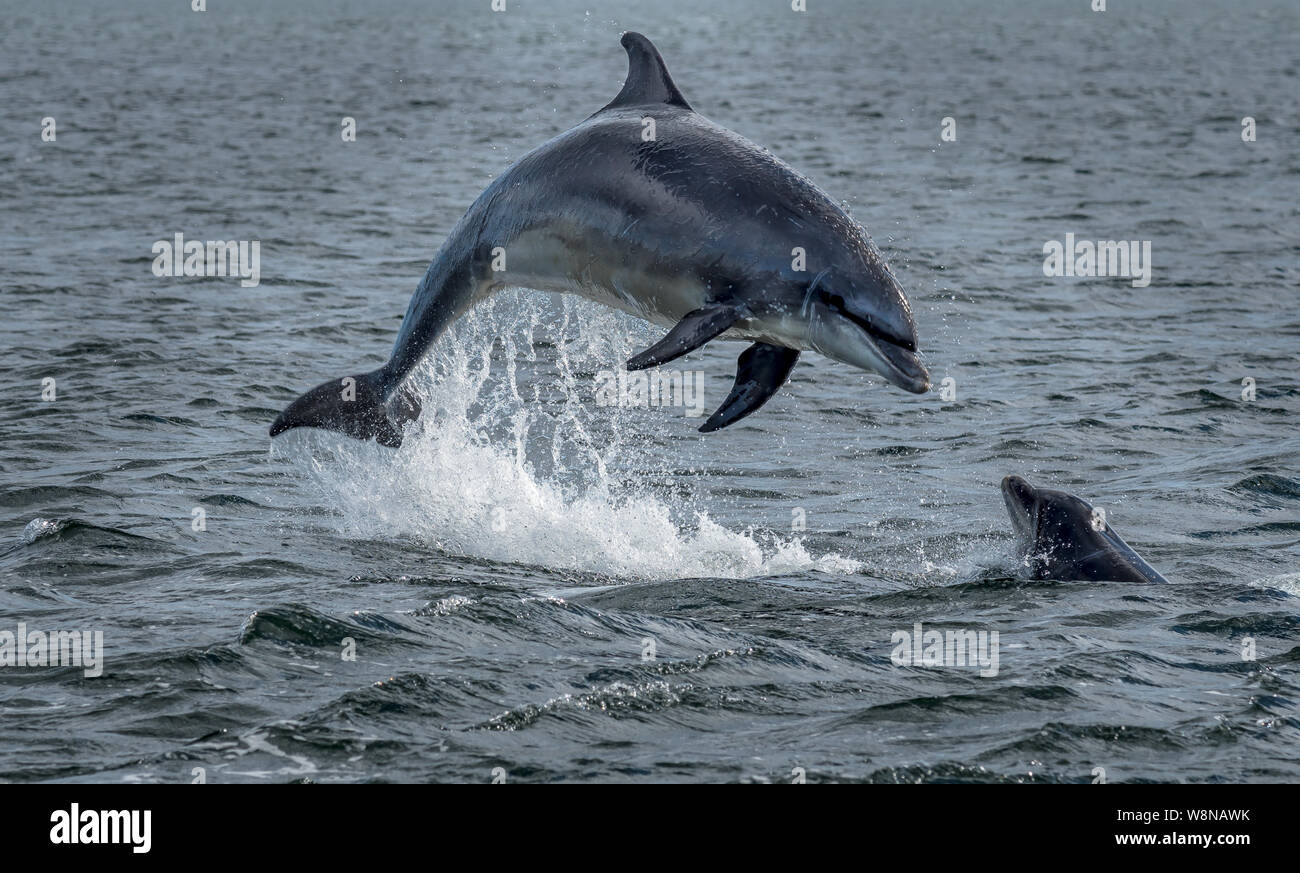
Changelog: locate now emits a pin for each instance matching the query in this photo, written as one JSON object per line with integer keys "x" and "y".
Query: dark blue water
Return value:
{"x": 502, "y": 576}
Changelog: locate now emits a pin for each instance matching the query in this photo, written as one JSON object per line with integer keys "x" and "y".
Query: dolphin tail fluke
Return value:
{"x": 355, "y": 406}
{"x": 694, "y": 330}
{"x": 763, "y": 369}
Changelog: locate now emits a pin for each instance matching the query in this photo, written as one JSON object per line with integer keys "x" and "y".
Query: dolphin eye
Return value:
{"x": 834, "y": 301}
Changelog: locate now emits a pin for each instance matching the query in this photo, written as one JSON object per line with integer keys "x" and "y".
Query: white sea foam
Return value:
{"x": 38, "y": 528}
{"x": 1288, "y": 582}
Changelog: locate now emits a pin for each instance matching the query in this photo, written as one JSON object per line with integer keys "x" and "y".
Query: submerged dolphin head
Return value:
{"x": 1064, "y": 537}
{"x": 1052, "y": 526}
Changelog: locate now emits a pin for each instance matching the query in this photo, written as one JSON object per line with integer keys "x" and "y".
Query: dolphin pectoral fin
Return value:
{"x": 763, "y": 369}
{"x": 694, "y": 330}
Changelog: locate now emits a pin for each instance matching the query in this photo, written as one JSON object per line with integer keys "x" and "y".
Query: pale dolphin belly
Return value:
{"x": 615, "y": 273}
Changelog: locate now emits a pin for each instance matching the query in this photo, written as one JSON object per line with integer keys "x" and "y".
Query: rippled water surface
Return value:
{"x": 503, "y": 575}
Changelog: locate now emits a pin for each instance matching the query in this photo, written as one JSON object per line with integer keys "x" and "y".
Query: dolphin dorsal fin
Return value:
{"x": 647, "y": 77}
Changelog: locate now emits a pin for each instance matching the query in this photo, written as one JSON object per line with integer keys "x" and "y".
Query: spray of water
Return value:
{"x": 513, "y": 460}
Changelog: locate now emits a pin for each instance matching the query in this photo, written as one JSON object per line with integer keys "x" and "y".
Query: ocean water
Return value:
{"x": 536, "y": 587}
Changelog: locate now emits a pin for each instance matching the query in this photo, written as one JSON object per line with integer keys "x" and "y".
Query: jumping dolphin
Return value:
{"x": 1065, "y": 539}
{"x": 655, "y": 210}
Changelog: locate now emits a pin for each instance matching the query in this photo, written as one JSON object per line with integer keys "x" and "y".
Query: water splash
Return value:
{"x": 1288, "y": 582}
{"x": 38, "y": 528}
{"x": 513, "y": 461}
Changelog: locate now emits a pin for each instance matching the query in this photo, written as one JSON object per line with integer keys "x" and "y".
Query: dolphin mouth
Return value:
{"x": 853, "y": 339}
{"x": 1020, "y": 499}
{"x": 906, "y": 369}
{"x": 903, "y": 367}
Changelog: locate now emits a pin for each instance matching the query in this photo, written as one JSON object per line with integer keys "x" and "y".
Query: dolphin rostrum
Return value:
{"x": 1064, "y": 538}
{"x": 655, "y": 210}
